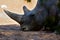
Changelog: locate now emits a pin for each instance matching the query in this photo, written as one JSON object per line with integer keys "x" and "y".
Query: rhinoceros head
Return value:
{"x": 27, "y": 20}
{"x": 32, "y": 19}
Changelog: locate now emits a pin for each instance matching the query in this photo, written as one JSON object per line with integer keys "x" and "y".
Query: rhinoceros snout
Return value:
{"x": 24, "y": 28}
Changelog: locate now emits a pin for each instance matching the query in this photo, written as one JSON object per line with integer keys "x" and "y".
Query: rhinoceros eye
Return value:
{"x": 32, "y": 15}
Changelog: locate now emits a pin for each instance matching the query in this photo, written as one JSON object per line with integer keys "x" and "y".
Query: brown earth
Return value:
{"x": 12, "y": 32}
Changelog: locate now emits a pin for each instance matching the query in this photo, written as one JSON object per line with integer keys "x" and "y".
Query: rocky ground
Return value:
{"x": 12, "y": 32}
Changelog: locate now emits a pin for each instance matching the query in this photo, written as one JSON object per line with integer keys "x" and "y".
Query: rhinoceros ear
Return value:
{"x": 25, "y": 10}
{"x": 14, "y": 16}
{"x": 38, "y": 5}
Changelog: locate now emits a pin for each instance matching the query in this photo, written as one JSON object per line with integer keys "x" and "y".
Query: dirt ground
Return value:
{"x": 12, "y": 32}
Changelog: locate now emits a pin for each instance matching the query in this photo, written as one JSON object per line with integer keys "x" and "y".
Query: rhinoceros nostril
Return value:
{"x": 21, "y": 22}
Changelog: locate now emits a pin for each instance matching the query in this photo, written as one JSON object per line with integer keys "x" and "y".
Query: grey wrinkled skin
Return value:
{"x": 33, "y": 20}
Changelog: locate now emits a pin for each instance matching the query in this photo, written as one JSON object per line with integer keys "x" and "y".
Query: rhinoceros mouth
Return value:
{"x": 31, "y": 27}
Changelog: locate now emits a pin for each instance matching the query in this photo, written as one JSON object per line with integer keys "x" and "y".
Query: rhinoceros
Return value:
{"x": 27, "y": 20}
{"x": 34, "y": 20}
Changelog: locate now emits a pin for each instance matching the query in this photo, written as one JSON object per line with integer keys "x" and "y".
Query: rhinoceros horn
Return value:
{"x": 14, "y": 16}
{"x": 38, "y": 5}
{"x": 25, "y": 10}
